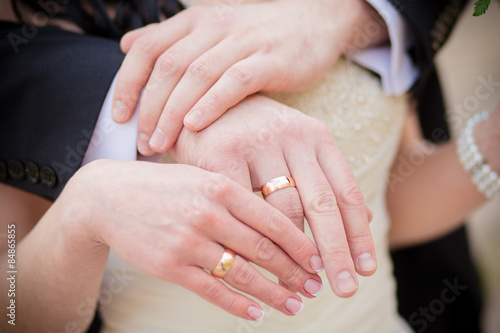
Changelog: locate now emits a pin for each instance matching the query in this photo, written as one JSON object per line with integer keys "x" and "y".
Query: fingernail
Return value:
{"x": 157, "y": 139}
{"x": 345, "y": 282}
{"x": 143, "y": 144}
{"x": 366, "y": 262}
{"x": 316, "y": 263}
{"x": 293, "y": 305}
{"x": 120, "y": 111}
{"x": 313, "y": 287}
{"x": 255, "y": 313}
{"x": 193, "y": 118}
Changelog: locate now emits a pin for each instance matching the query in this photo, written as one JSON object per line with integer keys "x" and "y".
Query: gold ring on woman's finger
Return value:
{"x": 225, "y": 263}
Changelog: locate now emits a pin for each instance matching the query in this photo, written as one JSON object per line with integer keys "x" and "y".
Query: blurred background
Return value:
{"x": 472, "y": 55}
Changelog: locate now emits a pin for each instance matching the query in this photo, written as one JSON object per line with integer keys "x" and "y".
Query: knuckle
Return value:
{"x": 292, "y": 274}
{"x": 232, "y": 305}
{"x": 275, "y": 223}
{"x": 195, "y": 11}
{"x": 265, "y": 250}
{"x": 324, "y": 202}
{"x": 321, "y": 130}
{"x": 275, "y": 297}
{"x": 244, "y": 277}
{"x": 267, "y": 46}
{"x": 362, "y": 237}
{"x": 200, "y": 71}
{"x": 293, "y": 208}
{"x": 144, "y": 45}
{"x": 212, "y": 291}
{"x": 166, "y": 65}
{"x": 241, "y": 74}
{"x": 303, "y": 246}
{"x": 220, "y": 188}
{"x": 350, "y": 195}
{"x": 165, "y": 262}
{"x": 336, "y": 253}
{"x": 203, "y": 219}
{"x": 214, "y": 102}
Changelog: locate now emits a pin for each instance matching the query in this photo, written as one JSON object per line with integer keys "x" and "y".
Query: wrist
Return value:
{"x": 77, "y": 211}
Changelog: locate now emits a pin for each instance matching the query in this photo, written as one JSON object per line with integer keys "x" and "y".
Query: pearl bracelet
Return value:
{"x": 483, "y": 176}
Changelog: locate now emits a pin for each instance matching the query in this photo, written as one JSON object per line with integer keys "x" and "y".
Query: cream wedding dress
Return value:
{"x": 366, "y": 125}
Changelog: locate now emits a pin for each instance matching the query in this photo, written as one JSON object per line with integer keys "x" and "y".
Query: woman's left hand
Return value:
{"x": 260, "y": 139}
{"x": 206, "y": 59}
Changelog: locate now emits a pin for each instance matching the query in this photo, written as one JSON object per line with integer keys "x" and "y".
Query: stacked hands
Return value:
{"x": 198, "y": 67}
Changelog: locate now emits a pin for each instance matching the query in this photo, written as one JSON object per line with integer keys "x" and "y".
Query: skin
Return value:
{"x": 259, "y": 130}
{"x": 170, "y": 226}
{"x": 339, "y": 196}
{"x": 436, "y": 197}
{"x": 87, "y": 238}
{"x": 203, "y": 61}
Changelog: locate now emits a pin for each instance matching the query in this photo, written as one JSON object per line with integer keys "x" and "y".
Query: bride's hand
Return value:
{"x": 207, "y": 59}
{"x": 260, "y": 139}
{"x": 174, "y": 221}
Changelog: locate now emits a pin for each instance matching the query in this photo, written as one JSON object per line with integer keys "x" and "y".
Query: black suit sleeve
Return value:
{"x": 53, "y": 84}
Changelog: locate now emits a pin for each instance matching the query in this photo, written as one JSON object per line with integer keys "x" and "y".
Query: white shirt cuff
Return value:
{"x": 111, "y": 140}
{"x": 393, "y": 63}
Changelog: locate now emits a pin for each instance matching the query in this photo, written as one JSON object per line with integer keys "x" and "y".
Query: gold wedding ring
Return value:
{"x": 225, "y": 263}
{"x": 277, "y": 184}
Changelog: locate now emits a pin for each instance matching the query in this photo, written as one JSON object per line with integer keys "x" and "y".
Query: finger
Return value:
{"x": 138, "y": 65}
{"x": 286, "y": 200}
{"x": 352, "y": 207}
{"x": 369, "y": 214}
{"x": 262, "y": 251}
{"x": 239, "y": 81}
{"x": 166, "y": 74}
{"x": 324, "y": 218}
{"x": 251, "y": 210}
{"x": 199, "y": 76}
{"x": 214, "y": 291}
{"x": 247, "y": 279}
{"x": 235, "y": 169}
{"x": 129, "y": 38}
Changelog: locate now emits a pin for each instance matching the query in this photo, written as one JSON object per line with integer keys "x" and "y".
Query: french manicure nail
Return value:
{"x": 255, "y": 312}
{"x": 317, "y": 264}
{"x": 143, "y": 144}
{"x": 157, "y": 139}
{"x": 366, "y": 262}
{"x": 120, "y": 111}
{"x": 293, "y": 305}
{"x": 345, "y": 282}
{"x": 313, "y": 287}
{"x": 194, "y": 118}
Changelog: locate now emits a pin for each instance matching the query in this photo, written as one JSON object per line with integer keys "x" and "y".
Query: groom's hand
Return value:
{"x": 205, "y": 60}
{"x": 260, "y": 139}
